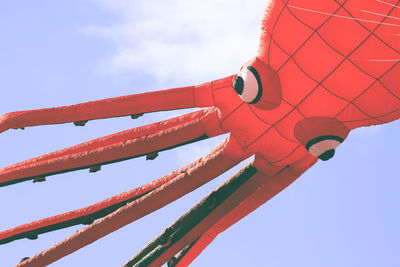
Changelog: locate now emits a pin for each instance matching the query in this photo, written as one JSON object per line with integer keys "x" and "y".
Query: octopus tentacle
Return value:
{"x": 130, "y": 105}
{"x": 88, "y": 214}
{"x": 197, "y": 220}
{"x": 221, "y": 159}
{"x": 140, "y": 141}
{"x": 270, "y": 186}
{"x": 117, "y": 137}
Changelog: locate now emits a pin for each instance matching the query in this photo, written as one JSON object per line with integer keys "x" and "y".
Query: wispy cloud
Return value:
{"x": 180, "y": 40}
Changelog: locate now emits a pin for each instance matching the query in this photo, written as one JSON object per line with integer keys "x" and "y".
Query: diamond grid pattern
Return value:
{"x": 333, "y": 48}
{"x": 291, "y": 57}
{"x": 336, "y": 70}
{"x": 316, "y": 20}
{"x": 274, "y": 152}
{"x": 317, "y": 53}
{"x": 270, "y": 117}
{"x": 349, "y": 40}
{"x": 375, "y": 49}
{"x": 339, "y": 84}
{"x": 277, "y": 55}
{"x": 371, "y": 33}
{"x": 391, "y": 80}
{"x": 299, "y": 33}
{"x": 391, "y": 34}
{"x": 285, "y": 127}
{"x": 352, "y": 111}
{"x": 328, "y": 105}
{"x": 366, "y": 10}
{"x": 377, "y": 119}
{"x": 375, "y": 108}
{"x": 298, "y": 87}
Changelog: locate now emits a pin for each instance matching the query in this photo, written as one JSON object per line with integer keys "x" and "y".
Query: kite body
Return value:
{"x": 323, "y": 68}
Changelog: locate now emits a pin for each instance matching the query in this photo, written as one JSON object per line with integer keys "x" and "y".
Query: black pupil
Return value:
{"x": 327, "y": 155}
{"x": 238, "y": 85}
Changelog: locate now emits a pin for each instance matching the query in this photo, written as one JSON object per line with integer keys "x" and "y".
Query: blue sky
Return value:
{"x": 340, "y": 213}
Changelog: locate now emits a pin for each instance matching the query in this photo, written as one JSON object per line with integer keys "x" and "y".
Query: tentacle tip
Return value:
{"x": 152, "y": 156}
{"x": 80, "y": 123}
{"x": 39, "y": 179}
{"x": 4, "y": 122}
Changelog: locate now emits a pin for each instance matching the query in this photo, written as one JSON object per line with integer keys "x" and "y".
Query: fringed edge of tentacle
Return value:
{"x": 143, "y": 141}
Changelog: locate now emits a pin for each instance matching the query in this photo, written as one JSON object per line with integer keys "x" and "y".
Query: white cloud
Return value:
{"x": 180, "y": 40}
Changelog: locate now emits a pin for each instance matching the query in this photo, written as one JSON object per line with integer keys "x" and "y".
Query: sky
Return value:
{"x": 343, "y": 212}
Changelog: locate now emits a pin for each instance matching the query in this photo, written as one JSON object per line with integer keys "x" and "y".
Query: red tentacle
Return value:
{"x": 248, "y": 188}
{"x": 272, "y": 186}
{"x": 218, "y": 161}
{"x": 116, "y": 138}
{"x": 88, "y": 214}
{"x": 172, "y": 99}
{"x": 148, "y": 139}
{"x": 203, "y": 216}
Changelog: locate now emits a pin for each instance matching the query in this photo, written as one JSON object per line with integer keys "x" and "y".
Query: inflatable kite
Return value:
{"x": 323, "y": 68}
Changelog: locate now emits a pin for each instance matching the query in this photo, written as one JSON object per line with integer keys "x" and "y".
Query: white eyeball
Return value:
{"x": 248, "y": 85}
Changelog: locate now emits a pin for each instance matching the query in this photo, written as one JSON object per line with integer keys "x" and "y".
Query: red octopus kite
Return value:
{"x": 293, "y": 104}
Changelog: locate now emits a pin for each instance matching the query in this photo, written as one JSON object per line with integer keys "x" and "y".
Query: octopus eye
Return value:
{"x": 258, "y": 84}
{"x": 248, "y": 85}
